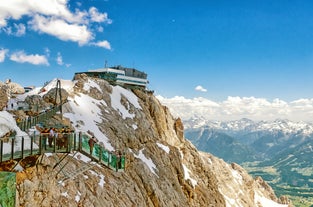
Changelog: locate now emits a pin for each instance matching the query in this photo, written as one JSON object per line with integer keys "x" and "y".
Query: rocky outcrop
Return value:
{"x": 3, "y": 97}
{"x": 234, "y": 181}
{"x": 37, "y": 104}
{"x": 14, "y": 88}
{"x": 6, "y": 90}
{"x": 53, "y": 96}
{"x": 162, "y": 169}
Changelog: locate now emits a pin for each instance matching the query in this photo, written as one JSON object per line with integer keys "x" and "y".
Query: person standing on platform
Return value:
{"x": 51, "y": 137}
{"x": 91, "y": 143}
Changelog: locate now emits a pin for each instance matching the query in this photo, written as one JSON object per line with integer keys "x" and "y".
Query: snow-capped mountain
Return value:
{"x": 283, "y": 146}
{"x": 246, "y": 125}
{"x": 261, "y": 140}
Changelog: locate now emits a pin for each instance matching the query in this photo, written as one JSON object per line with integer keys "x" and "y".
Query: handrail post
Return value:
{"x": 74, "y": 140}
{"x": 54, "y": 143}
{"x": 12, "y": 149}
{"x": 109, "y": 158}
{"x": 67, "y": 138}
{"x": 69, "y": 141}
{"x": 22, "y": 148}
{"x": 116, "y": 162}
{"x": 40, "y": 144}
{"x": 80, "y": 142}
{"x": 100, "y": 153}
{"x": 32, "y": 138}
{"x": 1, "y": 150}
{"x": 125, "y": 162}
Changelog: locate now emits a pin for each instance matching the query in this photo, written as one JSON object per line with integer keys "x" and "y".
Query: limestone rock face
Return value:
{"x": 6, "y": 90}
{"x": 53, "y": 96}
{"x": 14, "y": 88}
{"x": 3, "y": 97}
{"x": 36, "y": 103}
{"x": 162, "y": 167}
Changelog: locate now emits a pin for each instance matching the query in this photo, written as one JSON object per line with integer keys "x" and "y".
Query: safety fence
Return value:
{"x": 114, "y": 160}
{"x": 31, "y": 121}
{"x": 19, "y": 147}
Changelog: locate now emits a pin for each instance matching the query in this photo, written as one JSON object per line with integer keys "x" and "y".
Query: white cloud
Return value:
{"x": 52, "y": 17}
{"x": 47, "y": 52}
{"x": 20, "y": 29}
{"x": 96, "y": 16}
{"x": 200, "y": 88}
{"x": 234, "y": 108}
{"x": 3, "y": 53}
{"x": 105, "y": 44}
{"x": 61, "y": 29}
{"x": 15, "y": 9}
{"x": 36, "y": 59}
{"x": 100, "y": 29}
{"x": 7, "y": 30}
{"x": 59, "y": 59}
{"x": 79, "y": 4}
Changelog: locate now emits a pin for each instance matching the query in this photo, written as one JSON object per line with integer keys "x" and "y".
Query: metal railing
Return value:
{"x": 31, "y": 121}
{"x": 19, "y": 147}
{"x": 114, "y": 160}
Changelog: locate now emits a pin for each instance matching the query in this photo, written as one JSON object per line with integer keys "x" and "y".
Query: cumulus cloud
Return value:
{"x": 53, "y": 18}
{"x": 20, "y": 29}
{"x": 61, "y": 29}
{"x": 100, "y": 29}
{"x": 59, "y": 59}
{"x": 15, "y": 9}
{"x": 17, "y": 30}
{"x": 36, "y": 59}
{"x": 200, "y": 88}
{"x": 3, "y": 53}
{"x": 234, "y": 108}
{"x": 96, "y": 16}
{"x": 47, "y": 52}
{"x": 105, "y": 44}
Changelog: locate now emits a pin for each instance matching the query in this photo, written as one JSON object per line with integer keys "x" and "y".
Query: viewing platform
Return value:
{"x": 37, "y": 144}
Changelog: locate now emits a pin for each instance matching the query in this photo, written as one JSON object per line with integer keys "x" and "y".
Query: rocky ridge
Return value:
{"x": 180, "y": 175}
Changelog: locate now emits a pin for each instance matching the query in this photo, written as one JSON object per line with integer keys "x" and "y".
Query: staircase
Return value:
{"x": 70, "y": 173}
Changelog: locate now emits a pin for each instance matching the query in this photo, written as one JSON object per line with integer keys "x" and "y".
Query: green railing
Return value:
{"x": 19, "y": 147}
{"x": 31, "y": 121}
{"x": 36, "y": 144}
{"x": 113, "y": 160}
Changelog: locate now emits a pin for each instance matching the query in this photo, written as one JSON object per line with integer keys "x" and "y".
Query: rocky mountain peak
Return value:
{"x": 162, "y": 167}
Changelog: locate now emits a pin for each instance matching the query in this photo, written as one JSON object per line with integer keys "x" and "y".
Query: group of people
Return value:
{"x": 59, "y": 136}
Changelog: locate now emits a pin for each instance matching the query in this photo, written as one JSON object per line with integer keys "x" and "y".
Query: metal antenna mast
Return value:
{"x": 58, "y": 90}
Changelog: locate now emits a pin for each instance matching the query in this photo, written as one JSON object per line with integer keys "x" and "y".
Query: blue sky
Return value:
{"x": 255, "y": 48}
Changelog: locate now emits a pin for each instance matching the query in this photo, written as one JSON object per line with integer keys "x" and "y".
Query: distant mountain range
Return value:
{"x": 283, "y": 146}
{"x": 245, "y": 140}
